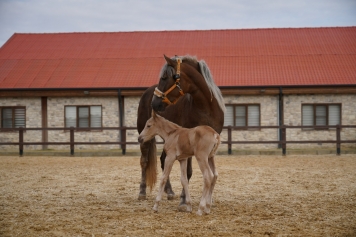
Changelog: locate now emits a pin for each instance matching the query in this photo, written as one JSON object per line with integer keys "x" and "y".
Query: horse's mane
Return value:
{"x": 205, "y": 71}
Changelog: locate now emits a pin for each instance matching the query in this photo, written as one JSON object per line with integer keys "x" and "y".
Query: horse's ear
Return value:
{"x": 169, "y": 61}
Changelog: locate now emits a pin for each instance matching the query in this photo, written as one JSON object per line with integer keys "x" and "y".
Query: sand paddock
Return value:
{"x": 254, "y": 196}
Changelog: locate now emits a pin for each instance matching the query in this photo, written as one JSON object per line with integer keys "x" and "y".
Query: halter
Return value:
{"x": 176, "y": 77}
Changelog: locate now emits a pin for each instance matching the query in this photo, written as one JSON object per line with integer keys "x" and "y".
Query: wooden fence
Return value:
{"x": 283, "y": 137}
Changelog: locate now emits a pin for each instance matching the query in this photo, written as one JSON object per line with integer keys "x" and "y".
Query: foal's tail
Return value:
{"x": 151, "y": 169}
{"x": 216, "y": 145}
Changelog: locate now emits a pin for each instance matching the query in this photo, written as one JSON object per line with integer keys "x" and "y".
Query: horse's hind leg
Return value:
{"x": 184, "y": 180}
{"x": 167, "y": 187}
{"x": 189, "y": 175}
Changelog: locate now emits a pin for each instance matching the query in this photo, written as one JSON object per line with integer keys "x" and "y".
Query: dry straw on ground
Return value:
{"x": 254, "y": 196}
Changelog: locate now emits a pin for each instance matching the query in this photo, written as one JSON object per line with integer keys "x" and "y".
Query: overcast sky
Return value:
{"x": 44, "y": 16}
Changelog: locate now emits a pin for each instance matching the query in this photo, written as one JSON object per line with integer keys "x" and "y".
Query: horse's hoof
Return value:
{"x": 141, "y": 197}
{"x": 154, "y": 208}
{"x": 184, "y": 208}
{"x": 171, "y": 196}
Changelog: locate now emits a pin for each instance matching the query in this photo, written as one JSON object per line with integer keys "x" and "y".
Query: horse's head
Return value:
{"x": 150, "y": 129}
{"x": 168, "y": 90}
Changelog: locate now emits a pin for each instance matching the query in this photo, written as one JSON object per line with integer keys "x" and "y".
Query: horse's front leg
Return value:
{"x": 184, "y": 180}
{"x": 168, "y": 188}
{"x": 167, "y": 170}
{"x": 189, "y": 175}
{"x": 143, "y": 162}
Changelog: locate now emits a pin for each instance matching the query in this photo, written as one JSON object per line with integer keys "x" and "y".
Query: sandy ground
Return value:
{"x": 254, "y": 196}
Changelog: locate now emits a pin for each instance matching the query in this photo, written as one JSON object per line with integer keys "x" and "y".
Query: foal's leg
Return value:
{"x": 189, "y": 175}
{"x": 184, "y": 180}
{"x": 215, "y": 173}
{"x": 167, "y": 170}
{"x": 168, "y": 187}
{"x": 208, "y": 179}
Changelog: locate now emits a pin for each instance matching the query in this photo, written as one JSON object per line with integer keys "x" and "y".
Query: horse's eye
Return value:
{"x": 163, "y": 78}
{"x": 148, "y": 126}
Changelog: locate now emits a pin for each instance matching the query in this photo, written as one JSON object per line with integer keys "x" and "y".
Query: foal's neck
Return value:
{"x": 166, "y": 128}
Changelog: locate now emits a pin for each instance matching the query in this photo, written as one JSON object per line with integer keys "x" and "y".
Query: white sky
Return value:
{"x": 44, "y": 16}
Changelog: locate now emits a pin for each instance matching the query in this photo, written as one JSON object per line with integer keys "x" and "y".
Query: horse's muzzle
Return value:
{"x": 157, "y": 104}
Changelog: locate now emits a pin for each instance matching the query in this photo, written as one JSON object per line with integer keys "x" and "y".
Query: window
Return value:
{"x": 242, "y": 115}
{"x": 83, "y": 116}
{"x": 13, "y": 117}
{"x": 321, "y": 114}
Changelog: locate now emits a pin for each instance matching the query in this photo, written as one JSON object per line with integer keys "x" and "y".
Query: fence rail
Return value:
{"x": 283, "y": 137}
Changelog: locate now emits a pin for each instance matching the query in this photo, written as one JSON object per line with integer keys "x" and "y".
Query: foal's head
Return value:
{"x": 150, "y": 130}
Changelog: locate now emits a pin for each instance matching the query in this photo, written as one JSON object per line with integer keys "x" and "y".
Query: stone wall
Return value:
{"x": 110, "y": 113}
{"x": 292, "y": 116}
{"x": 269, "y": 117}
{"x": 110, "y": 118}
{"x": 33, "y": 120}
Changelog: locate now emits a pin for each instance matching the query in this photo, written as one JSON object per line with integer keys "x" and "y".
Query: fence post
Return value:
{"x": 21, "y": 141}
{"x": 284, "y": 139}
{"x": 123, "y": 140}
{"x": 229, "y": 137}
{"x": 338, "y": 140}
{"x": 71, "y": 140}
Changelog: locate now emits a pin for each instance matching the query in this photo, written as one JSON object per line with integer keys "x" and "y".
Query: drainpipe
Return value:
{"x": 121, "y": 117}
{"x": 280, "y": 114}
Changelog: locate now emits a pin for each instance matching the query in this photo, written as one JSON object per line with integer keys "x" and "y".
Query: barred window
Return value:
{"x": 83, "y": 116}
{"x": 13, "y": 117}
{"x": 241, "y": 115}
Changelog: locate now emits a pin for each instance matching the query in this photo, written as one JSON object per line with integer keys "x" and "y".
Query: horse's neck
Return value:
{"x": 166, "y": 128}
{"x": 203, "y": 97}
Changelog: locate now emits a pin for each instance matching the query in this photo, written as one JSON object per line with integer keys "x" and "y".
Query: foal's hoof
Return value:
{"x": 199, "y": 212}
{"x": 142, "y": 197}
{"x": 185, "y": 208}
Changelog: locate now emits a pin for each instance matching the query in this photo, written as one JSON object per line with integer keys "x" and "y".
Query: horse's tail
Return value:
{"x": 216, "y": 145}
{"x": 151, "y": 170}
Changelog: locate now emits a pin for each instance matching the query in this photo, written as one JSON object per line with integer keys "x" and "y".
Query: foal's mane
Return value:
{"x": 204, "y": 70}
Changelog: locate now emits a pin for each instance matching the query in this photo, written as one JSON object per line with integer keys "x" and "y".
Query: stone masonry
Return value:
{"x": 110, "y": 118}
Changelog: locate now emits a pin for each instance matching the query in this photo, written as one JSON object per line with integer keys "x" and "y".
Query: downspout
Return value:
{"x": 280, "y": 114}
{"x": 121, "y": 118}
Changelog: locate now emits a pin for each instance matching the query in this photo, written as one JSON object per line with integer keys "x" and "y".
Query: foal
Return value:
{"x": 179, "y": 144}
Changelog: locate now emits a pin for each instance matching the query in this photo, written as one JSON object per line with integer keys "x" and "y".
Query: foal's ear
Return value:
{"x": 153, "y": 114}
{"x": 170, "y": 62}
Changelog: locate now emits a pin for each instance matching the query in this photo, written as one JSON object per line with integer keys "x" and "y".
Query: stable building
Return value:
{"x": 268, "y": 77}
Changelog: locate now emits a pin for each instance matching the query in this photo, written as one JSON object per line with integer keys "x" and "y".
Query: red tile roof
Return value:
{"x": 248, "y": 57}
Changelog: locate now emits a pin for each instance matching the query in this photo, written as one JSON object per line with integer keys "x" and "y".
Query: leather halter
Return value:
{"x": 163, "y": 95}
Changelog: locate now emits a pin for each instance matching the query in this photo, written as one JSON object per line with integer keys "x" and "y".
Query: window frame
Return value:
{"x": 246, "y": 105}
{"x": 77, "y": 107}
{"x": 315, "y": 116}
{"x": 13, "y": 116}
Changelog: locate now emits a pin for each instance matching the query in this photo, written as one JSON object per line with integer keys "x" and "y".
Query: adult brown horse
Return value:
{"x": 186, "y": 95}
